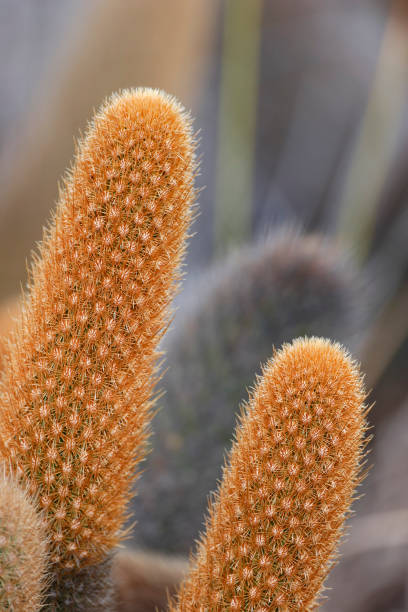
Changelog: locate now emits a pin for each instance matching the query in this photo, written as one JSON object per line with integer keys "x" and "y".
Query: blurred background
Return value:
{"x": 301, "y": 107}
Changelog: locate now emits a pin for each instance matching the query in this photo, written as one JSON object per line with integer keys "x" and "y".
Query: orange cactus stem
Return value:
{"x": 23, "y": 548}
{"x": 78, "y": 384}
{"x": 275, "y": 521}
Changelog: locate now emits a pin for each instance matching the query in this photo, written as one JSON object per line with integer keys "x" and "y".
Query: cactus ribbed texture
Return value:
{"x": 287, "y": 286}
{"x": 275, "y": 521}
{"x": 79, "y": 376}
{"x": 23, "y": 548}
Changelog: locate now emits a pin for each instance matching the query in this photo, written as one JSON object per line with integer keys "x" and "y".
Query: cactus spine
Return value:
{"x": 23, "y": 548}
{"x": 275, "y": 521}
{"x": 79, "y": 374}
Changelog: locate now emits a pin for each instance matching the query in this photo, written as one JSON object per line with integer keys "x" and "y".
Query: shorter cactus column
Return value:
{"x": 23, "y": 549}
{"x": 275, "y": 521}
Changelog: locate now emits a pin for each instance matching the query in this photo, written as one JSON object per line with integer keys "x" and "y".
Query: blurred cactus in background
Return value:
{"x": 23, "y": 548}
{"x": 80, "y": 368}
{"x": 275, "y": 521}
{"x": 286, "y": 286}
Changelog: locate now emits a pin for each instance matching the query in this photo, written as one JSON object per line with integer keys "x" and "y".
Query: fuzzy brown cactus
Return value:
{"x": 80, "y": 370}
{"x": 275, "y": 521}
{"x": 23, "y": 548}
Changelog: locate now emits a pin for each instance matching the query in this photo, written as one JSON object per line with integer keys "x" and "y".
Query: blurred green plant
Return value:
{"x": 236, "y": 122}
{"x": 377, "y": 139}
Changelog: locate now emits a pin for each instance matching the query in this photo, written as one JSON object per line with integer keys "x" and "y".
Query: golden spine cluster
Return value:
{"x": 80, "y": 369}
{"x": 275, "y": 521}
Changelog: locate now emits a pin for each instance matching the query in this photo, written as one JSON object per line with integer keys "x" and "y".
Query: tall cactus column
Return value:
{"x": 80, "y": 369}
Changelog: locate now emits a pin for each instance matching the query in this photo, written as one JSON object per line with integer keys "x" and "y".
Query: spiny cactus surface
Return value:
{"x": 80, "y": 371}
{"x": 286, "y": 286}
{"x": 275, "y": 521}
{"x": 23, "y": 549}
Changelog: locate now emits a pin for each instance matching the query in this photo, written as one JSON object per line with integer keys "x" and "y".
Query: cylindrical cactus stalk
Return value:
{"x": 275, "y": 521}
{"x": 23, "y": 548}
{"x": 79, "y": 376}
{"x": 286, "y": 286}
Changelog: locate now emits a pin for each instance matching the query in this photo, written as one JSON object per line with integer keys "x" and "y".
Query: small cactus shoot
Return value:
{"x": 274, "y": 523}
{"x": 23, "y": 548}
